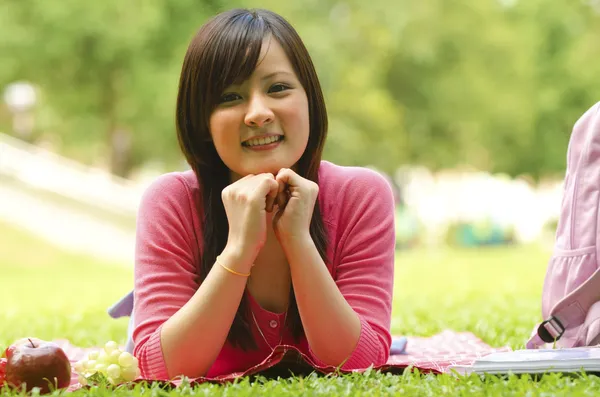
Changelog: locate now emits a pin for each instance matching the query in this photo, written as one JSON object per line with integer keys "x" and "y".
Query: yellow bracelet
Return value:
{"x": 230, "y": 270}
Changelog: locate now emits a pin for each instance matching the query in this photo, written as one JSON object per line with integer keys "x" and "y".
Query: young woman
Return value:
{"x": 262, "y": 243}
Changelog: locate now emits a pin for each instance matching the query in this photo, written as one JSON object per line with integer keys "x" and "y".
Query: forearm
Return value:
{"x": 331, "y": 326}
{"x": 193, "y": 337}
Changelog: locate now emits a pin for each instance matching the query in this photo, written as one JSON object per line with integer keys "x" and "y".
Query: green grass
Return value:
{"x": 494, "y": 293}
{"x": 49, "y": 294}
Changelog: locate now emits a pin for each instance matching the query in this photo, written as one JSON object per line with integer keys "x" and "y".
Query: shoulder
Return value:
{"x": 173, "y": 189}
{"x": 350, "y": 194}
{"x": 353, "y": 181}
{"x": 172, "y": 183}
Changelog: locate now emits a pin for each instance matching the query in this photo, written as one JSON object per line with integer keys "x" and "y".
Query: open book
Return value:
{"x": 586, "y": 359}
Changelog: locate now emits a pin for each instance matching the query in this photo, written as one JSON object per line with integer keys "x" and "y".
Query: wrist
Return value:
{"x": 297, "y": 243}
{"x": 236, "y": 260}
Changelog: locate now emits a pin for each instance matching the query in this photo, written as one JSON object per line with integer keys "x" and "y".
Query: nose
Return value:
{"x": 258, "y": 113}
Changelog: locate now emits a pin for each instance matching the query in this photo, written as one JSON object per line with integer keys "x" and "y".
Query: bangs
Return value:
{"x": 236, "y": 51}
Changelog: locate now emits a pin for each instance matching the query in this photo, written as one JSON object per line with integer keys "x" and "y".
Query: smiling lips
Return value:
{"x": 263, "y": 143}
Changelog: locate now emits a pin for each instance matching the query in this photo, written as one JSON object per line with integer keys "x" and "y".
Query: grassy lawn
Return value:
{"x": 494, "y": 293}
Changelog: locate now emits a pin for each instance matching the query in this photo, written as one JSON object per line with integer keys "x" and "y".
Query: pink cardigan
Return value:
{"x": 358, "y": 211}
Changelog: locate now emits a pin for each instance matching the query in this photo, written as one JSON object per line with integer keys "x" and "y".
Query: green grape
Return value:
{"x": 110, "y": 363}
{"x": 82, "y": 379}
{"x": 129, "y": 373}
{"x": 114, "y": 356}
{"x": 91, "y": 364}
{"x": 110, "y": 346}
{"x": 113, "y": 371}
{"x": 126, "y": 360}
{"x": 103, "y": 357}
{"x": 80, "y": 365}
{"x": 101, "y": 367}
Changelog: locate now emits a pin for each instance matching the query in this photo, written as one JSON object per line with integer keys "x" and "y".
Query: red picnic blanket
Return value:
{"x": 433, "y": 354}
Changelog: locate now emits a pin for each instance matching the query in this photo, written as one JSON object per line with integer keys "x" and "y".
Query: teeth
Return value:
{"x": 262, "y": 141}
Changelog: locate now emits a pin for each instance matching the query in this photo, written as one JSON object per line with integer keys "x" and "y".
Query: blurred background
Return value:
{"x": 466, "y": 107}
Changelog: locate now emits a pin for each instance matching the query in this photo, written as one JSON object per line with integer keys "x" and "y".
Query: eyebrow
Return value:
{"x": 275, "y": 74}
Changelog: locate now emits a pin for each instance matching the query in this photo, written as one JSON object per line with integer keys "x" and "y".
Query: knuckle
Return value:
{"x": 226, "y": 193}
{"x": 267, "y": 182}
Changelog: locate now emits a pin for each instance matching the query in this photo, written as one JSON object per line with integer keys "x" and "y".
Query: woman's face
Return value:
{"x": 262, "y": 124}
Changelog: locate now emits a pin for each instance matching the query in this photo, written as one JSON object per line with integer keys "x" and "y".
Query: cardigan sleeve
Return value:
{"x": 165, "y": 275}
{"x": 364, "y": 264}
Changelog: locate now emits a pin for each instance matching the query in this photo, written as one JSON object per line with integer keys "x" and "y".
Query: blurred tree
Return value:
{"x": 496, "y": 84}
{"x": 108, "y": 71}
{"x": 491, "y": 84}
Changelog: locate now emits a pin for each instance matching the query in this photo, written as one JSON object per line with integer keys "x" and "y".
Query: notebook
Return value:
{"x": 579, "y": 359}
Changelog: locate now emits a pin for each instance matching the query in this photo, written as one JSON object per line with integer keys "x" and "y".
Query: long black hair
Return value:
{"x": 224, "y": 51}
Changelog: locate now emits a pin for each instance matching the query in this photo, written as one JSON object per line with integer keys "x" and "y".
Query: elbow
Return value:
{"x": 375, "y": 354}
{"x": 149, "y": 353}
{"x": 381, "y": 354}
{"x": 162, "y": 357}
{"x": 165, "y": 369}
{"x": 362, "y": 356}
{"x": 175, "y": 371}
{"x": 382, "y": 357}
{"x": 178, "y": 364}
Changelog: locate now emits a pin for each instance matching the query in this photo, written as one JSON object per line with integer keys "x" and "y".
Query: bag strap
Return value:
{"x": 570, "y": 312}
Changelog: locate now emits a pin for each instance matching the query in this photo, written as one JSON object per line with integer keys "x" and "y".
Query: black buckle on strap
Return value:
{"x": 556, "y": 326}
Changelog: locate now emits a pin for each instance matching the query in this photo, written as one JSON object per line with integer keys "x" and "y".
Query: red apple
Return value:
{"x": 2, "y": 371}
{"x": 37, "y": 363}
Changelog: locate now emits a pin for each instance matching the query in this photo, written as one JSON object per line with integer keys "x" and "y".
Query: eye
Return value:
{"x": 229, "y": 97}
{"x": 278, "y": 88}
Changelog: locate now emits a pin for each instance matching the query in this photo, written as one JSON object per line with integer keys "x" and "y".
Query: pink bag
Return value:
{"x": 571, "y": 293}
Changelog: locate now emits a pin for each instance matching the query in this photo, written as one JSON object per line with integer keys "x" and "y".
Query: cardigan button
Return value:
{"x": 273, "y": 324}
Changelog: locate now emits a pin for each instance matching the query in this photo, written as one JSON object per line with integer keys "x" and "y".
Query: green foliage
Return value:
{"x": 495, "y": 84}
{"x": 102, "y": 68}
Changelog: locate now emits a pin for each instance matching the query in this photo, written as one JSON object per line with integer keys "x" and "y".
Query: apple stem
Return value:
{"x": 30, "y": 341}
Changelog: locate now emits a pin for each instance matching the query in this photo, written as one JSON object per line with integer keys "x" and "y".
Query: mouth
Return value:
{"x": 262, "y": 141}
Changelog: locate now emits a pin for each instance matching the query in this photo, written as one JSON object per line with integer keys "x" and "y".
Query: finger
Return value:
{"x": 267, "y": 186}
{"x": 288, "y": 177}
{"x": 272, "y": 196}
{"x": 281, "y": 194}
{"x": 282, "y": 199}
{"x": 245, "y": 178}
{"x": 240, "y": 182}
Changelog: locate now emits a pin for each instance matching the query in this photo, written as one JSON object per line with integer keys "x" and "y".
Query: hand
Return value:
{"x": 296, "y": 199}
{"x": 246, "y": 203}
